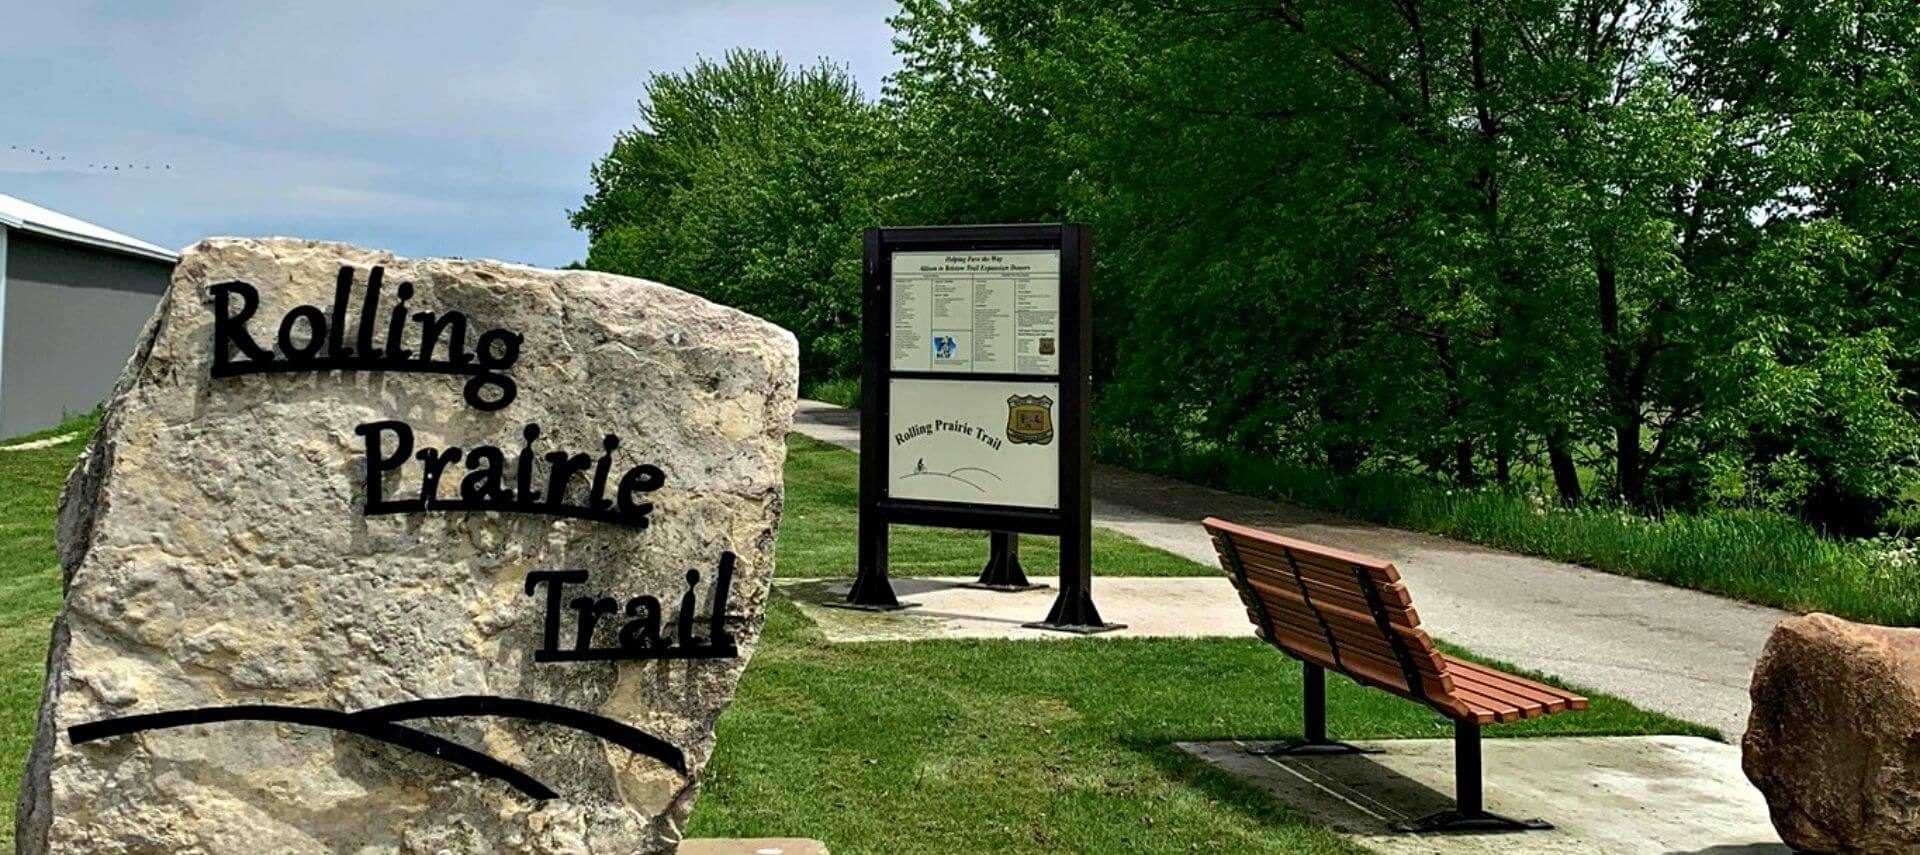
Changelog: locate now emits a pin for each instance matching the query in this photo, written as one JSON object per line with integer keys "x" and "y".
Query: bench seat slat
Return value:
{"x": 1552, "y": 700}
{"x": 1508, "y": 703}
{"x": 1555, "y": 699}
{"x": 1485, "y": 709}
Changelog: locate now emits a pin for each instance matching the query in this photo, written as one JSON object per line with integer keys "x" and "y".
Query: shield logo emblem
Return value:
{"x": 1030, "y": 419}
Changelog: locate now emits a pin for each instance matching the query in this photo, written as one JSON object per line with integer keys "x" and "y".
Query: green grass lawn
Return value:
{"x": 29, "y": 594}
{"x": 1062, "y": 746}
{"x": 936, "y": 746}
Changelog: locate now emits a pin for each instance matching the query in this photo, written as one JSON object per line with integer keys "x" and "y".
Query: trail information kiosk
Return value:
{"x": 974, "y": 400}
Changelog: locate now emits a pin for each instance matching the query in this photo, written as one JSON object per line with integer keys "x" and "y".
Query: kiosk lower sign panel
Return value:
{"x": 975, "y": 441}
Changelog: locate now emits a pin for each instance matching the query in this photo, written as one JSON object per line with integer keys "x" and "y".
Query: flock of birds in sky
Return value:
{"x": 53, "y": 157}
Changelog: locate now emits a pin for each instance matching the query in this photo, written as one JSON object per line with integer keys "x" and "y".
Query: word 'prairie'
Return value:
{"x": 491, "y": 483}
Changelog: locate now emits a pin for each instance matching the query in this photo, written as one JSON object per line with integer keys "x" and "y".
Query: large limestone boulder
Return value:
{"x": 1834, "y": 740}
{"x": 296, "y": 621}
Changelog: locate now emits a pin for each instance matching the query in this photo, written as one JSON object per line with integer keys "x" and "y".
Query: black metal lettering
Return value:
{"x": 550, "y": 626}
{"x": 432, "y": 325}
{"x": 490, "y": 385}
{"x": 639, "y": 636}
{"x": 378, "y": 465}
{"x": 597, "y": 497}
{"x": 492, "y": 368}
{"x": 524, "y": 479}
{"x": 561, "y": 467}
{"x": 230, "y": 328}
{"x": 484, "y": 487}
{"x": 337, "y": 331}
{"x": 642, "y": 630}
{"x": 432, "y": 464}
{"x": 722, "y": 588}
{"x": 684, "y": 631}
{"x": 644, "y": 478}
{"x": 587, "y": 613}
{"x": 396, "y": 348}
{"x": 486, "y": 477}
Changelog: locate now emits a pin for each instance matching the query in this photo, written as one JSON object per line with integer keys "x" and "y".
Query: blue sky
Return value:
{"x": 447, "y": 129}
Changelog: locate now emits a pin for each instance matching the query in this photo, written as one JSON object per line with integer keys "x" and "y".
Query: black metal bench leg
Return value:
{"x": 1313, "y": 681}
{"x": 1469, "y": 813}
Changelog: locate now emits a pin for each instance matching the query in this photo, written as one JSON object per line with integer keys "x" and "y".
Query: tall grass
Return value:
{"x": 1755, "y": 555}
{"x": 1759, "y": 556}
{"x": 844, "y": 392}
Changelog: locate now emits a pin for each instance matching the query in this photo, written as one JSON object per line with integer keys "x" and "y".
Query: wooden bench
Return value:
{"x": 1335, "y": 610}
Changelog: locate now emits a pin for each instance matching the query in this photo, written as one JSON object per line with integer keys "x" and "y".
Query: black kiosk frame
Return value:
{"x": 1072, "y": 520}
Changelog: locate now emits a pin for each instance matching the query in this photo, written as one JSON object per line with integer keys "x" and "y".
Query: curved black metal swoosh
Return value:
{"x": 372, "y": 728}
{"x": 624, "y": 735}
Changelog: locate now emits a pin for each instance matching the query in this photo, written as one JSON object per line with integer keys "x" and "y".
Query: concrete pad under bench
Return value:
{"x": 1629, "y": 794}
{"x": 1166, "y": 607}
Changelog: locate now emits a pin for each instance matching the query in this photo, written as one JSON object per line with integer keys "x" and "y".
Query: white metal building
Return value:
{"x": 73, "y": 299}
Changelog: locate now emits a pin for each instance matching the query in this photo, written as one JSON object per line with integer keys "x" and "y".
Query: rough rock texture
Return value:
{"x": 1834, "y": 741}
{"x": 215, "y": 553}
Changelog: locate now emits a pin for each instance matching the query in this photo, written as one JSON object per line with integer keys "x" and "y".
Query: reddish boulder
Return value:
{"x": 1834, "y": 738}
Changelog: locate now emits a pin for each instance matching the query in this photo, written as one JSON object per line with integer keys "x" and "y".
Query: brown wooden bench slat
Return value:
{"x": 1257, "y": 537}
{"x": 1553, "y": 701}
{"x": 1294, "y": 633}
{"x": 1391, "y": 592}
{"x": 1485, "y": 709}
{"x": 1345, "y": 597}
{"x": 1520, "y": 705}
{"x": 1357, "y": 618}
{"x": 1277, "y": 558}
{"x": 1265, "y": 562}
{"x": 1382, "y": 670}
{"x": 1370, "y": 671}
{"x": 1557, "y": 700}
{"x": 1528, "y": 705}
{"x": 1356, "y": 631}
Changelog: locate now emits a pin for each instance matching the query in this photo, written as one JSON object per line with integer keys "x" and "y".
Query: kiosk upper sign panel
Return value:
{"x": 977, "y": 312}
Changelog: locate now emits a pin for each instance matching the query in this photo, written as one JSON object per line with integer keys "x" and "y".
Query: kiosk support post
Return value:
{"x": 1073, "y": 609}
{"x": 871, "y": 590}
{"x": 1003, "y": 571}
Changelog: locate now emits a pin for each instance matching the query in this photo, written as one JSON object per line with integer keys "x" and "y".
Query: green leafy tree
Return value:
{"x": 747, "y": 181}
{"x": 1659, "y": 252}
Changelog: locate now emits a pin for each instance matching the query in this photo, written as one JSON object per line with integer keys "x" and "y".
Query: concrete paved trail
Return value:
{"x": 1684, "y": 653}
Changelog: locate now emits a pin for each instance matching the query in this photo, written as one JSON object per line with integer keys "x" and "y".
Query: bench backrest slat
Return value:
{"x": 1337, "y": 609}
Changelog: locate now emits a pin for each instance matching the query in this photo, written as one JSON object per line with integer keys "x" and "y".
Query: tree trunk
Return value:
{"x": 1623, "y": 391}
{"x": 1456, "y": 410}
{"x": 1627, "y": 459}
{"x": 1566, "y": 478}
